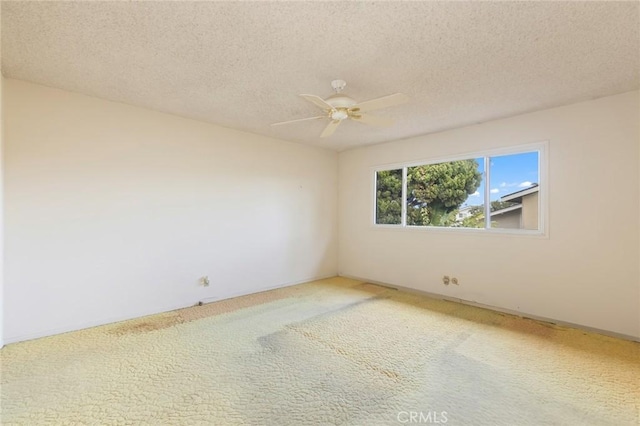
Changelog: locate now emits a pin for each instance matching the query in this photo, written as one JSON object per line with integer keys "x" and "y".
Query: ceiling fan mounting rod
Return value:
{"x": 338, "y": 85}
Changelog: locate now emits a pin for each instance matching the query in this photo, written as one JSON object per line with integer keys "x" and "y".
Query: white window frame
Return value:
{"x": 543, "y": 196}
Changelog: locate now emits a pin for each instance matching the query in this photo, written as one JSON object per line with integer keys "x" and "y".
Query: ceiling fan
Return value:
{"x": 339, "y": 107}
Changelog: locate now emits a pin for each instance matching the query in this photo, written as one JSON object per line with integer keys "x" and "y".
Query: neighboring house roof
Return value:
{"x": 506, "y": 210}
{"x": 516, "y": 197}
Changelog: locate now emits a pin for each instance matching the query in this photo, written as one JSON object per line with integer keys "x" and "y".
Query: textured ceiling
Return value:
{"x": 242, "y": 64}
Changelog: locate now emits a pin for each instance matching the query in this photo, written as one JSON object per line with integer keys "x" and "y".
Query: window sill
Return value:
{"x": 528, "y": 233}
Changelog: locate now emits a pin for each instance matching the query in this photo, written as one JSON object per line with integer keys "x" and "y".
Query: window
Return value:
{"x": 500, "y": 192}
{"x": 389, "y": 197}
{"x": 436, "y": 193}
{"x": 514, "y": 194}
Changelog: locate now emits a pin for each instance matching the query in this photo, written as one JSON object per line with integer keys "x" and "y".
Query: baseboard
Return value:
{"x": 90, "y": 324}
{"x": 111, "y": 320}
{"x": 246, "y": 293}
{"x": 168, "y": 308}
{"x": 499, "y": 309}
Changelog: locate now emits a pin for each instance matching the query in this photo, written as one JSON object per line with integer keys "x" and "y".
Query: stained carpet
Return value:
{"x": 330, "y": 352}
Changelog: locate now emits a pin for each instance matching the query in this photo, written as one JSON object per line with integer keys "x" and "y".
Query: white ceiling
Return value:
{"x": 242, "y": 64}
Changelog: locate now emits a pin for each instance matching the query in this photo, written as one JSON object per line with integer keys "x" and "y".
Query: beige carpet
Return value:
{"x": 330, "y": 352}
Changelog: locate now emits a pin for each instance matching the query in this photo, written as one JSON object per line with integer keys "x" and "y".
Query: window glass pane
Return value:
{"x": 515, "y": 191}
{"x": 446, "y": 194}
{"x": 389, "y": 197}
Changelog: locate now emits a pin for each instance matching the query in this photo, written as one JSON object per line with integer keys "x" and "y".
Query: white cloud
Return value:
{"x": 525, "y": 184}
{"x": 503, "y": 184}
{"x": 475, "y": 194}
{"x": 495, "y": 190}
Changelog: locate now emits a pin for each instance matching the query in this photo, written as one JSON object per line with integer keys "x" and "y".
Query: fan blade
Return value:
{"x": 331, "y": 127}
{"x": 317, "y": 101}
{"x": 300, "y": 119}
{"x": 373, "y": 120}
{"x": 378, "y": 103}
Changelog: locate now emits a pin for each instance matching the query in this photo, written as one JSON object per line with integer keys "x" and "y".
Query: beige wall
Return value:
{"x": 114, "y": 211}
{"x": 585, "y": 272}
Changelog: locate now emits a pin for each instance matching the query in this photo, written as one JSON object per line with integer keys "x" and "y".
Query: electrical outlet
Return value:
{"x": 446, "y": 280}
{"x": 454, "y": 280}
{"x": 204, "y": 281}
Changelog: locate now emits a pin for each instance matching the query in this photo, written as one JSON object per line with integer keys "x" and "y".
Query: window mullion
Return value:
{"x": 487, "y": 192}
{"x": 404, "y": 196}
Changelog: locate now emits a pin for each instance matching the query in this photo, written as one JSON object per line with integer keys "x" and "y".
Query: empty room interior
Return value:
{"x": 320, "y": 213}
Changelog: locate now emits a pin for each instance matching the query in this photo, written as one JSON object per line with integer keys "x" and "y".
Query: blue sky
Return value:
{"x": 509, "y": 173}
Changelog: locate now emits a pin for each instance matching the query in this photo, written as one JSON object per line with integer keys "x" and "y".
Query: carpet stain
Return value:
{"x": 146, "y": 325}
{"x": 185, "y": 315}
{"x": 371, "y": 288}
{"x": 529, "y": 326}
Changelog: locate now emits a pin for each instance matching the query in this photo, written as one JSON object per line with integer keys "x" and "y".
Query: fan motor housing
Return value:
{"x": 340, "y": 100}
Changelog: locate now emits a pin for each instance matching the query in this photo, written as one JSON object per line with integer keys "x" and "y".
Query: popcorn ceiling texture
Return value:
{"x": 334, "y": 351}
{"x": 242, "y": 64}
